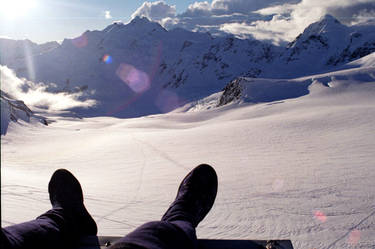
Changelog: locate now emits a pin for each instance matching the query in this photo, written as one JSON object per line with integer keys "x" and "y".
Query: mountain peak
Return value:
{"x": 327, "y": 33}
{"x": 137, "y": 24}
{"x": 327, "y": 23}
{"x": 114, "y": 25}
{"x": 144, "y": 24}
{"x": 140, "y": 20}
{"x": 327, "y": 18}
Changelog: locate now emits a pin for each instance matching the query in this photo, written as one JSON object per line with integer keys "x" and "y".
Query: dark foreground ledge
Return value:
{"x": 101, "y": 242}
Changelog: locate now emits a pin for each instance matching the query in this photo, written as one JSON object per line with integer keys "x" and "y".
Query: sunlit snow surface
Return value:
{"x": 300, "y": 169}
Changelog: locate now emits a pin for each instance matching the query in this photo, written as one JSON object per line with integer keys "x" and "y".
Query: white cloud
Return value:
{"x": 205, "y": 16}
{"x": 292, "y": 19}
{"x": 261, "y": 30}
{"x": 155, "y": 11}
{"x": 169, "y": 22}
{"x": 278, "y": 21}
{"x": 244, "y": 6}
{"x": 36, "y": 94}
{"x": 365, "y": 16}
{"x": 107, "y": 14}
{"x": 198, "y": 9}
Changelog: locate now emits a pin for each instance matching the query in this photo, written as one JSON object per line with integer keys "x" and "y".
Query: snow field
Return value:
{"x": 299, "y": 169}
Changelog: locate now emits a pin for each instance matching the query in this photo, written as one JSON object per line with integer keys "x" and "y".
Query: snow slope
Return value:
{"x": 299, "y": 168}
{"x": 366, "y": 61}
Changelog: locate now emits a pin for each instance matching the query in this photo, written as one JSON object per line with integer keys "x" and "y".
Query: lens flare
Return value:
{"x": 354, "y": 237}
{"x": 167, "y": 101}
{"x": 29, "y": 61}
{"x": 136, "y": 79}
{"x": 80, "y": 41}
{"x": 107, "y": 59}
{"x": 319, "y": 215}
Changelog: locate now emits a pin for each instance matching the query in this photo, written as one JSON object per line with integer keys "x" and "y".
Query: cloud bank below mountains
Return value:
{"x": 278, "y": 21}
{"x": 37, "y": 95}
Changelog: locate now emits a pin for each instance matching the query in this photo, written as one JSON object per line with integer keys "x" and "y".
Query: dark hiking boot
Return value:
{"x": 65, "y": 192}
{"x": 195, "y": 196}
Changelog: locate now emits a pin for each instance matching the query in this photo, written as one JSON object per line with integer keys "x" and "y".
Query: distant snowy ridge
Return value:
{"x": 326, "y": 44}
{"x": 140, "y": 68}
{"x": 261, "y": 90}
{"x": 20, "y": 49}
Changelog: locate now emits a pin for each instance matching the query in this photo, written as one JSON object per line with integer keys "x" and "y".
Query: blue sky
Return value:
{"x": 277, "y": 21}
{"x": 49, "y": 20}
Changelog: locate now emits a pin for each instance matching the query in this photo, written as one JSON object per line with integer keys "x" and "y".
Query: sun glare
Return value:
{"x": 12, "y": 9}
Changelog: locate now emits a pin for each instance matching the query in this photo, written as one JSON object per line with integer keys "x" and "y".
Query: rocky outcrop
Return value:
{"x": 231, "y": 92}
{"x": 14, "y": 110}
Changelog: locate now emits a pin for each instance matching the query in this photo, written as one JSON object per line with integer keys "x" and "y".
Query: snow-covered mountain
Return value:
{"x": 252, "y": 90}
{"x": 324, "y": 45}
{"x": 263, "y": 90}
{"x": 140, "y": 68}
